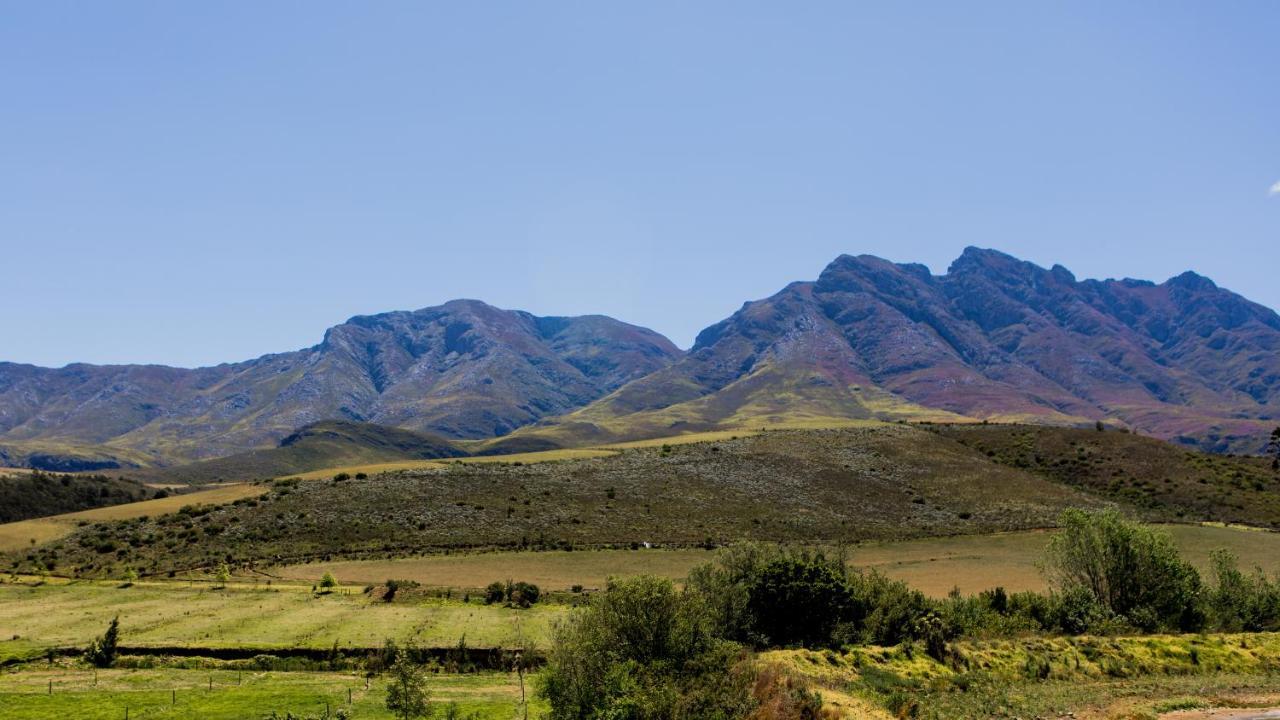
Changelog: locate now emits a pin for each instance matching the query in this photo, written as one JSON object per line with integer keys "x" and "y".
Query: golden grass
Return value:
{"x": 542, "y": 456}
{"x": 553, "y": 570}
{"x": 400, "y": 465}
{"x": 933, "y": 565}
{"x": 175, "y": 613}
{"x": 19, "y": 534}
{"x": 368, "y": 469}
{"x": 980, "y": 562}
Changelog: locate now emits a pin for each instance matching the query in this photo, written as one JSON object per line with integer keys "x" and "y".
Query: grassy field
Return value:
{"x": 175, "y": 614}
{"x": 82, "y": 694}
{"x": 980, "y": 562}
{"x": 17, "y": 535}
{"x": 1134, "y": 678}
{"x": 934, "y": 565}
{"x": 550, "y": 570}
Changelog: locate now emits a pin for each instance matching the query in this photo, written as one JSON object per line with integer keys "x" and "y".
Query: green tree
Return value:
{"x": 222, "y": 575}
{"x": 407, "y": 694}
{"x": 102, "y": 651}
{"x": 642, "y": 649}
{"x": 796, "y": 601}
{"x": 328, "y": 582}
{"x": 1130, "y": 570}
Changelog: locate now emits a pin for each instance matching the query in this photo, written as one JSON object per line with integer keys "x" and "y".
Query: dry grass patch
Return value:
{"x": 551, "y": 570}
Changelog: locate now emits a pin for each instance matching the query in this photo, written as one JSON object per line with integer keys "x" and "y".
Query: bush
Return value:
{"x": 1130, "y": 570}
{"x": 522, "y": 594}
{"x": 496, "y": 592}
{"x": 515, "y": 594}
{"x": 407, "y": 695}
{"x": 102, "y": 651}
{"x": 799, "y": 601}
{"x": 1243, "y": 602}
{"x": 328, "y": 582}
{"x": 641, "y": 649}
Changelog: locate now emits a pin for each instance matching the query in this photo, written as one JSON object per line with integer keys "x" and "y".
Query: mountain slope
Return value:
{"x": 995, "y": 338}
{"x": 463, "y": 369}
{"x": 331, "y": 443}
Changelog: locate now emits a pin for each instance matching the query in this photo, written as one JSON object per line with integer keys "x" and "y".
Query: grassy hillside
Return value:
{"x": 1165, "y": 480}
{"x": 26, "y": 533}
{"x": 842, "y": 485}
{"x": 321, "y": 445}
{"x": 35, "y": 494}
{"x": 55, "y": 456}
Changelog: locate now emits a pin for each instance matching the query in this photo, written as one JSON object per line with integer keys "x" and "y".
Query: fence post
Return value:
{"x": 174, "y": 696}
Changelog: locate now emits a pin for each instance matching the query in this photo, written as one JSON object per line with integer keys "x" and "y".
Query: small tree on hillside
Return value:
{"x": 328, "y": 582}
{"x": 102, "y": 651}
{"x": 407, "y": 695}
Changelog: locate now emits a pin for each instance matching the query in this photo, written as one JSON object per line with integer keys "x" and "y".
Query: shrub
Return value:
{"x": 496, "y": 592}
{"x": 1248, "y": 602}
{"x": 407, "y": 694}
{"x": 222, "y": 575}
{"x": 328, "y": 582}
{"x": 798, "y": 601}
{"x": 641, "y": 649}
{"x": 1130, "y": 570}
{"x": 522, "y": 594}
{"x": 102, "y": 651}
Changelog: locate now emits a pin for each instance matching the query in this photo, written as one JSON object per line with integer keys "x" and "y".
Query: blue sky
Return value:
{"x": 192, "y": 183}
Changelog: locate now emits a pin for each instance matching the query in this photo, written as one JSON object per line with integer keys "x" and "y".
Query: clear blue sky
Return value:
{"x": 190, "y": 183}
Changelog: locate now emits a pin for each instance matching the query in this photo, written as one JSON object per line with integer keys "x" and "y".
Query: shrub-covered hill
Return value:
{"x": 26, "y": 495}
{"x": 1167, "y": 481}
{"x": 830, "y": 486}
{"x": 316, "y": 446}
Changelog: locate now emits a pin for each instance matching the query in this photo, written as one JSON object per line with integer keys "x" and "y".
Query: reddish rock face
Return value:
{"x": 464, "y": 370}
{"x": 995, "y": 337}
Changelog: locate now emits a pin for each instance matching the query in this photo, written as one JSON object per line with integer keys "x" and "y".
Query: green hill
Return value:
{"x": 314, "y": 447}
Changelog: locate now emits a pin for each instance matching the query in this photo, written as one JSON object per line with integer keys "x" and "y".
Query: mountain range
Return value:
{"x": 995, "y": 338}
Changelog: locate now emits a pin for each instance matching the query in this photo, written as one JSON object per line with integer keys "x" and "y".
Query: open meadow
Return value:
{"x": 932, "y": 565}
{"x": 173, "y": 614}
{"x": 64, "y": 693}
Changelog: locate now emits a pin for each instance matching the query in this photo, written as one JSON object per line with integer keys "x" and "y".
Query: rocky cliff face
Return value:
{"x": 995, "y": 337}
{"x": 464, "y": 370}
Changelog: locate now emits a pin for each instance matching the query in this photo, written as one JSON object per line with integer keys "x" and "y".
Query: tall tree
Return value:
{"x": 407, "y": 695}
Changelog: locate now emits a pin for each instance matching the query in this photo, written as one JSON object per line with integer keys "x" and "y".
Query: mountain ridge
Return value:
{"x": 994, "y": 338}
{"x": 463, "y": 370}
